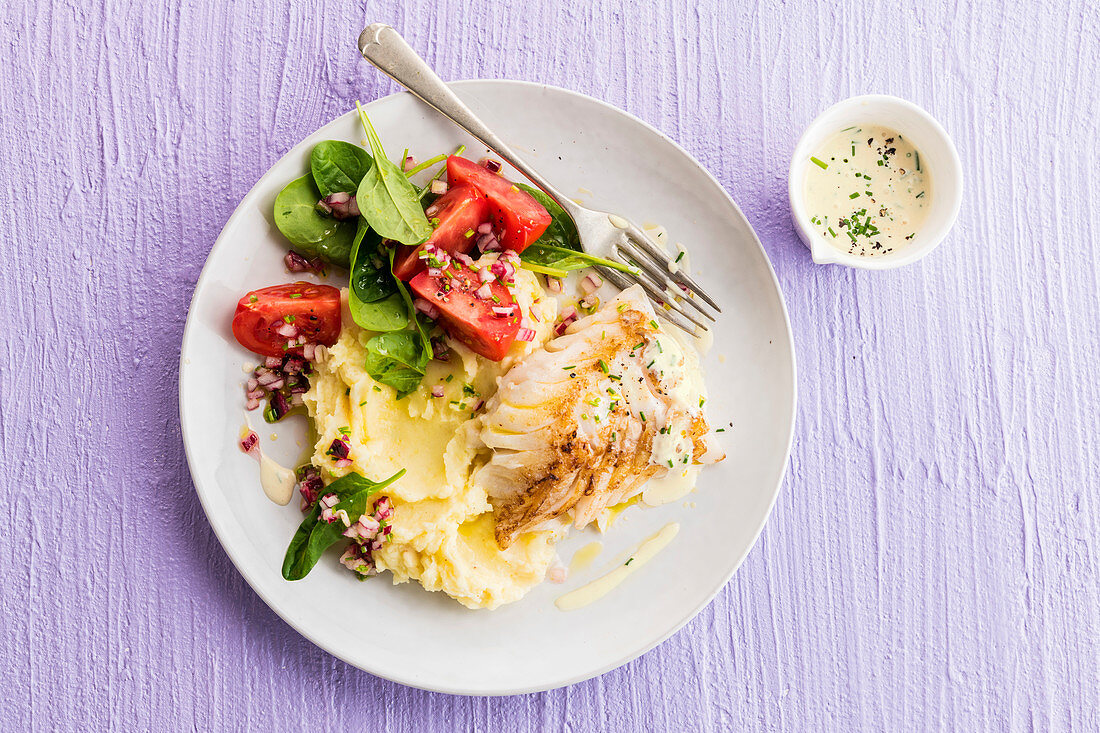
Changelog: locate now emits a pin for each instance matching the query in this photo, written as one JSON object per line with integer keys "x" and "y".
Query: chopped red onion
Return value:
{"x": 251, "y": 384}
{"x": 342, "y": 205}
{"x": 486, "y": 275}
{"x": 252, "y": 404}
{"x": 431, "y": 211}
{"x": 440, "y": 352}
{"x": 485, "y": 228}
{"x": 308, "y": 351}
{"x": 492, "y": 165}
{"x": 428, "y": 309}
{"x": 287, "y": 330}
{"x": 277, "y": 384}
{"x": 323, "y": 207}
{"x": 484, "y": 292}
{"x": 410, "y": 163}
{"x": 438, "y": 187}
{"x": 279, "y": 405}
{"x": 437, "y": 390}
{"x": 488, "y": 243}
{"x": 525, "y": 334}
{"x": 553, "y": 284}
{"x": 435, "y": 272}
{"x": 267, "y": 378}
{"x": 504, "y": 310}
{"x": 295, "y": 262}
{"x": 250, "y": 444}
{"x": 255, "y": 394}
{"x": 273, "y": 362}
{"x": 330, "y": 500}
{"x": 591, "y": 283}
{"x": 464, "y": 259}
{"x": 342, "y": 463}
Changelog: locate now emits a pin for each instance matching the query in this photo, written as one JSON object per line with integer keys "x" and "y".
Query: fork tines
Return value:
{"x": 667, "y": 285}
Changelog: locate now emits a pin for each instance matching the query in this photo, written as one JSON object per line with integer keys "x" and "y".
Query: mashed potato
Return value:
{"x": 443, "y": 524}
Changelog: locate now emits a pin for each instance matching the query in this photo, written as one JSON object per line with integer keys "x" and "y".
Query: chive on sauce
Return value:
{"x": 867, "y": 190}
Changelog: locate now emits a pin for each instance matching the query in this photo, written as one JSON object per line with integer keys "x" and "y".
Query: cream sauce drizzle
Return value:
{"x": 277, "y": 480}
{"x": 675, "y": 484}
{"x": 600, "y": 587}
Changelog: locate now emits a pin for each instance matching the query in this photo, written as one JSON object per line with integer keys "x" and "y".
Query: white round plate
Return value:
{"x": 612, "y": 161}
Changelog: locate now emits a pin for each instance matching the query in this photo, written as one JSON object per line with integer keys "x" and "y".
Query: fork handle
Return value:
{"x": 385, "y": 48}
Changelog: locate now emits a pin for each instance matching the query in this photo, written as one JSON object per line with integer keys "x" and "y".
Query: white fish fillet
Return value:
{"x": 582, "y": 424}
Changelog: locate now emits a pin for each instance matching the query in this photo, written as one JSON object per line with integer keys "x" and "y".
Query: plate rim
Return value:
{"x": 364, "y": 665}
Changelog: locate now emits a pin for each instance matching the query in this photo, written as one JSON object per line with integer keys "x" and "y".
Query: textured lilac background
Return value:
{"x": 932, "y": 562}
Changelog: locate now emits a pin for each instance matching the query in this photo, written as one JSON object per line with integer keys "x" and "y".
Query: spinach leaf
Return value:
{"x": 397, "y": 359}
{"x": 338, "y": 166}
{"x": 388, "y": 314}
{"x": 312, "y": 234}
{"x": 562, "y": 232}
{"x": 558, "y": 261}
{"x": 373, "y": 301}
{"x": 368, "y": 282}
{"x": 386, "y": 199}
{"x": 425, "y": 342}
{"x": 314, "y": 535}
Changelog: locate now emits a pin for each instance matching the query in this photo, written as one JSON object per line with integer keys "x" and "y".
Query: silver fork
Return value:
{"x": 602, "y": 233}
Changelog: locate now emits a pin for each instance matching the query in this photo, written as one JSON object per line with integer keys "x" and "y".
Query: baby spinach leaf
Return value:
{"x": 374, "y": 303}
{"x": 388, "y": 314}
{"x": 369, "y": 283}
{"x": 311, "y": 233}
{"x": 315, "y": 535}
{"x": 396, "y": 359}
{"x": 562, "y": 232}
{"x": 425, "y": 341}
{"x": 338, "y": 166}
{"x": 389, "y": 203}
{"x": 558, "y": 261}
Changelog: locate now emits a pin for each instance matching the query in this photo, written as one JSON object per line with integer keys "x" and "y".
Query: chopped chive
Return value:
{"x": 680, "y": 256}
{"x": 854, "y": 195}
{"x": 853, "y": 148}
{"x": 642, "y": 415}
{"x": 831, "y": 231}
{"x": 603, "y": 366}
{"x": 650, "y": 364}
{"x": 819, "y": 163}
{"x": 253, "y": 298}
{"x": 292, "y": 295}
{"x": 469, "y": 233}
{"x": 653, "y": 323}
{"x": 449, "y": 378}
{"x": 571, "y": 366}
{"x": 919, "y": 195}
{"x": 918, "y": 160}
{"x": 364, "y": 402}
{"x": 616, "y": 377}
{"x": 720, "y": 430}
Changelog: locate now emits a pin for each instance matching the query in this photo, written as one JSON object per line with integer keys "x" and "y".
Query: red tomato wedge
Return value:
{"x": 517, "y": 217}
{"x": 466, "y": 317}
{"x": 459, "y": 211}
{"x": 268, "y": 318}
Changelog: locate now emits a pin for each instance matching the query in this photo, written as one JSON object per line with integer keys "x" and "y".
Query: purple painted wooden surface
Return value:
{"x": 932, "y": 561}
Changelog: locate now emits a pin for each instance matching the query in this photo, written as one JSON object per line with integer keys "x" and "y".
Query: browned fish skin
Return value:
{"x": 557, "y": 462}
